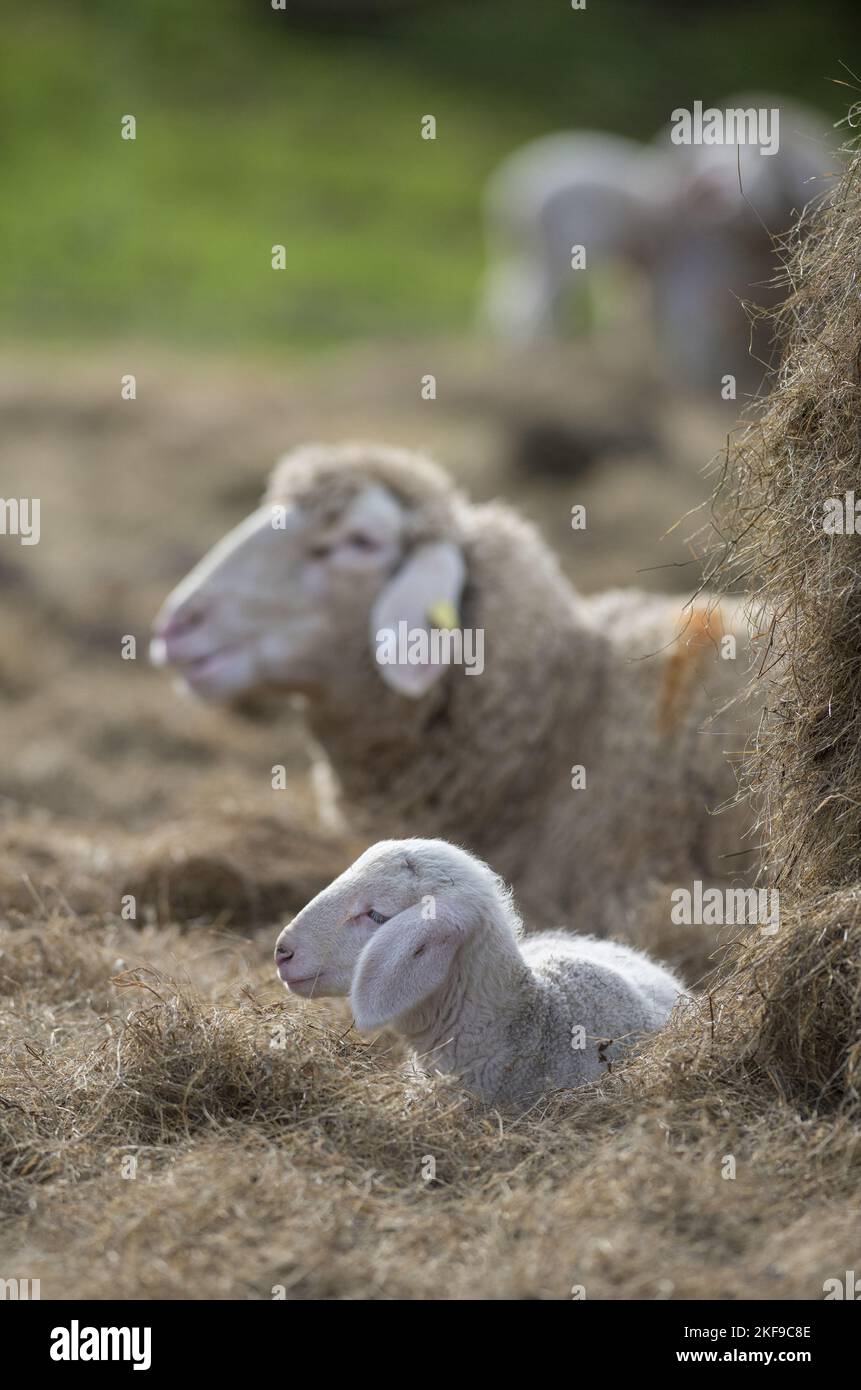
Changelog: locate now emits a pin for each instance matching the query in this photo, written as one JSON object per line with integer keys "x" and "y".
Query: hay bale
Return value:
{"x": 805, "y": 584}
{"x": 809, "y": 1037}
{"x": 789, "y": 1011}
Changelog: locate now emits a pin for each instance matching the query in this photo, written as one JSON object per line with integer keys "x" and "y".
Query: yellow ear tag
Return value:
{"x": 443, "y": 615}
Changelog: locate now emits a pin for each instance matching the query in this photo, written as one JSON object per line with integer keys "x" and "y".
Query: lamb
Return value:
{"x": 600, "y": 191}
{"x": 677, "y": 214}
{"x": 425, "y": 939}
{"x": 354, "y": 540}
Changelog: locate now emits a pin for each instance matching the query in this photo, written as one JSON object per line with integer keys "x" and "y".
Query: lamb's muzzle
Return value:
{"x": 424, "y": 938}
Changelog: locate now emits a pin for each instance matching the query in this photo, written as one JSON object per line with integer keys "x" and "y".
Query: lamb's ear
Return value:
{"x": 402, "y": 965}
{"x": 423, "y": 594}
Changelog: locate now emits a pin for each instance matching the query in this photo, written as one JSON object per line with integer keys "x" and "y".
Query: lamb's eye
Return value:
{"x": 360, "y": 542}
{"x": 376, "y": 917}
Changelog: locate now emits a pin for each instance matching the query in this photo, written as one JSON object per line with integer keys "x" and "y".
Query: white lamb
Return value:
{"x": 425, "y": 939}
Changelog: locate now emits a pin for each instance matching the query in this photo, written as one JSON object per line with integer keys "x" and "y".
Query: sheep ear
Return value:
{"x": 405, "y": 962}
{"x": 424, "y": 593}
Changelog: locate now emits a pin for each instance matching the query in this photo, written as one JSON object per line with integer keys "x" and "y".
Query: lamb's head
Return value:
{"x": 349, "y": 540}
{"x": 391, "y": 930}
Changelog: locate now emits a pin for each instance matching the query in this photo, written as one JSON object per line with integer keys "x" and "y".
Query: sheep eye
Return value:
{"x": 376, "y": 917}
{"x": 360, "y": 542}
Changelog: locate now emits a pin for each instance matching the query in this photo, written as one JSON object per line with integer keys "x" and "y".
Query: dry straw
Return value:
{"x": 803, "y": 771}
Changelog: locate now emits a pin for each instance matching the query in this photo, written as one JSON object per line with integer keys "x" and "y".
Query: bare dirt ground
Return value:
{"x": 171, "y": 1125}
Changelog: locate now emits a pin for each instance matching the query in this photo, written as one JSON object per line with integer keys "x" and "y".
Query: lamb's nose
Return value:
{"x": 283, "y": 952}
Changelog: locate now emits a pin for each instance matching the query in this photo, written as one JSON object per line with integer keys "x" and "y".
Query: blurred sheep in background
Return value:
{"x": 693, "y": 223}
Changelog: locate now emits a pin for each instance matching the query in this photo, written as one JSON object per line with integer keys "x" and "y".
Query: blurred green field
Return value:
{"x": 257, "y": 127}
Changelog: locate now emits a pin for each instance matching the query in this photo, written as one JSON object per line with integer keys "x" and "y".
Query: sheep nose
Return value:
{"x": 175, "y": 636}
{"x": 171, "y": 625}
{"x": 283, "y": 952}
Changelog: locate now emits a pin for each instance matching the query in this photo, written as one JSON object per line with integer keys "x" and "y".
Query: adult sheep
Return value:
{"x": 352, "y": 541}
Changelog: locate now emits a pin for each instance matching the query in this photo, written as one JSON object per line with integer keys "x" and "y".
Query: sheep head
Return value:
{"x": 348, "y": 541}
{"x": 389, "y": 931}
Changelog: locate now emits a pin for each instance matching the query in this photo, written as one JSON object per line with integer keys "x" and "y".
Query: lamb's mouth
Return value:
{"x": 297, "y": 986}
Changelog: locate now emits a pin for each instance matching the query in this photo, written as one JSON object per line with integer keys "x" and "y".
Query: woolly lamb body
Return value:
{"x": 445, "y": 967}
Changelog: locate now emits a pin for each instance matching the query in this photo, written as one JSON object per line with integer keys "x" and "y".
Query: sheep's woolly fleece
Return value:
{"x": 320, "y": 477}
{"x": 627, "y": 684}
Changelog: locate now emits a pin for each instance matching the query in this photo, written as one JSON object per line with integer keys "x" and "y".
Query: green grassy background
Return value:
{"x": 257, "y": 127}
